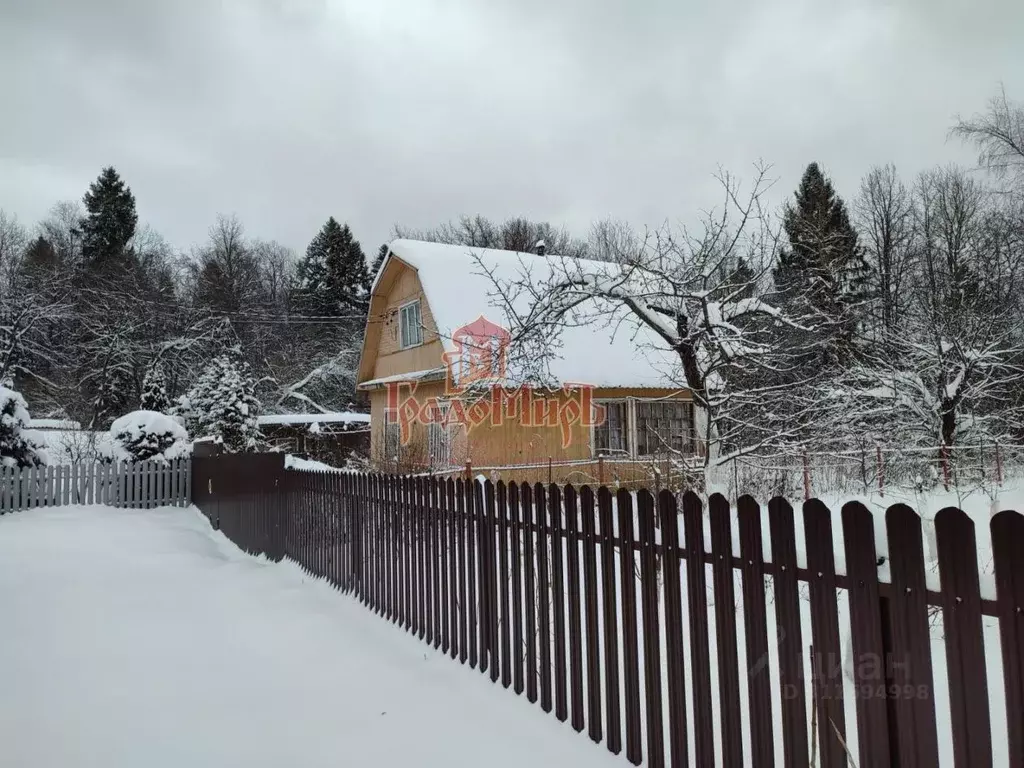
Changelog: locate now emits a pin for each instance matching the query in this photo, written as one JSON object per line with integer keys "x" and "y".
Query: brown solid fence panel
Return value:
{"x": 790, "y": 642}
{"x": 674, "y": 648}
{"x": 556, "y": 539}
{"x": 965, "y": 645}
{"x": 591, "y": 588}
{"x": 869, "y": 656}
{"x": 630, "y": 651}
{"x": 575, "y": 616}
{"x": 723, "y": 579}
{"x": 910, "y": 647}
{"x": 1007, "y": 545}
{"x": 700, "y": 651}
{"x": 827, "y": 660}
{"x": 651, "y": 629}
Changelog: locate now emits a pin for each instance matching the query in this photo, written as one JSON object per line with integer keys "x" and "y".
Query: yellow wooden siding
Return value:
{"x": 511, "y": 442}
{"x": 391, "y": 359}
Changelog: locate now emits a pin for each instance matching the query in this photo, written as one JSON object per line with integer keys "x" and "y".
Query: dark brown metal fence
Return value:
{"x": 530, "y": 585}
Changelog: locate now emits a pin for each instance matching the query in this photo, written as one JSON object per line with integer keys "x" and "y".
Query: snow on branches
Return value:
{"x": 703, "y": 293}
{"x": 16, "y": 450}
{"x": 148, "y": 436}
{"x": 223, "y": 405}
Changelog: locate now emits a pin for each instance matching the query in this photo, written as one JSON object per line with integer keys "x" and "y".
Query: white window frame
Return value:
{"x": 402, "y": 324}
{"x": 439, "y": 435}
{"x": 627, "y": 427}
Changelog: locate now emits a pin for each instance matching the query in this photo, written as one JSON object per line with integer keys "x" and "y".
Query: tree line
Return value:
{"x": 897, "y": 315}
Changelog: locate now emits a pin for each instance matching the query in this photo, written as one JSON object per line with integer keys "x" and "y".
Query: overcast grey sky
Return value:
{"x": 415, "y": 111}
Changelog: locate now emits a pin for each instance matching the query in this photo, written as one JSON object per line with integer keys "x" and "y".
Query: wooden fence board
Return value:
{"x": 517, "y": 538}
{"x": 906, "y": 614}
{"x": 530, "y": 590}
{"x": 610, "y": 622}
{"x": 651, "y": 629}
{"x": 790, "y": 642}
{"x": 591, "y": 589}
{"x": 501, "y": 496}
{"x": 543, "y": 597}
{"x": 828, "y": 655}
{"x": 630, "y": 660}
{"x": 674, "y": 647}
{"x": 869, "y": 659}
{"x": 965, "y": 644}
{"x": 723, "y": 576}
{"x": 557, "y": 539}
{"x": 1007, "y": 545}
{"x": 700, "y": 652}
{"x": 575, "y": 618}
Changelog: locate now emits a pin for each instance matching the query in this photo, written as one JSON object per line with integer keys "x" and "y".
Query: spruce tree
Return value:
{"x": 41, "y": 258}
{"x": 223, "y": 404}
{"x": 110, "y": 223}
{"x": 382, "y": 253}
{"x": 154, "y": 390}
{"x": 332, "y": 277}
{"x": 823, "y": 273}
{"x": 16, "y": 450}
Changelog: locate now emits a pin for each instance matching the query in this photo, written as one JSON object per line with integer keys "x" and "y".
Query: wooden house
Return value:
{"x": 620, "y": 415}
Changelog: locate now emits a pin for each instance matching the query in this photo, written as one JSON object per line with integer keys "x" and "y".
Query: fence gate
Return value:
{"x": 241, "y": 494}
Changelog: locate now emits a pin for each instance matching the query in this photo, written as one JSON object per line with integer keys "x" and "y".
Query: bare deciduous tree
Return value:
{"x": 998, "y": 134}
{"x": 683, "y": 286}
{"x": 885, "y": 218}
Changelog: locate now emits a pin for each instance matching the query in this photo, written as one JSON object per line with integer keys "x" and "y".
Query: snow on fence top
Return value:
{"x": 53, "y": 424}
{"x": 619, "y": 353}
{"x": 287, "y": 419}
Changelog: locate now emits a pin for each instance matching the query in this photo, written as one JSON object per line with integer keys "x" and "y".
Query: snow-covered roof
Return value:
{"x": 615, "y": 351}
{"x": 428, "y": 375}
{"x": 344, "y": 417}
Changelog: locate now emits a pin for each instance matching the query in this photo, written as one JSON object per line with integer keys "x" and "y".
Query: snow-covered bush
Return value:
{"x": 148, "y": 435}
{"x": 154, "y": 391}
{"x": 223, "y": 405}
{"x": 16, "y": 449}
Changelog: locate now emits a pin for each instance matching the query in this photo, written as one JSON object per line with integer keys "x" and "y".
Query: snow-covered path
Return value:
{"x": 131, "y": 638}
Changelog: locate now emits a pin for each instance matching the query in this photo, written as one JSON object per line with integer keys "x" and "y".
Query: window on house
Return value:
{"x": 663, "y": 426}
{"x": 610, "y": 436}
{"x": 392, "y": 439}
{"x": 411, "y": 330}
{"x": 439, "y": 439}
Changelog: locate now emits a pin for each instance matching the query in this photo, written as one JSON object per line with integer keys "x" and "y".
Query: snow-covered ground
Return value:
{"x": 135, "y": 638}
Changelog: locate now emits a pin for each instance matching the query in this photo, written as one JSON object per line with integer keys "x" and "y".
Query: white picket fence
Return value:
{"x": 142, "y": 485}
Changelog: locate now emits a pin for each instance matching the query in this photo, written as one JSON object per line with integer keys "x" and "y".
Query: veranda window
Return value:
{"x": 610, "y": 436}
{"x": 663, "y": 426}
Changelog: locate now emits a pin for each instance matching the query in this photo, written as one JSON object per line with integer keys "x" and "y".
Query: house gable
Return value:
{"x": 382, "y": 354}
